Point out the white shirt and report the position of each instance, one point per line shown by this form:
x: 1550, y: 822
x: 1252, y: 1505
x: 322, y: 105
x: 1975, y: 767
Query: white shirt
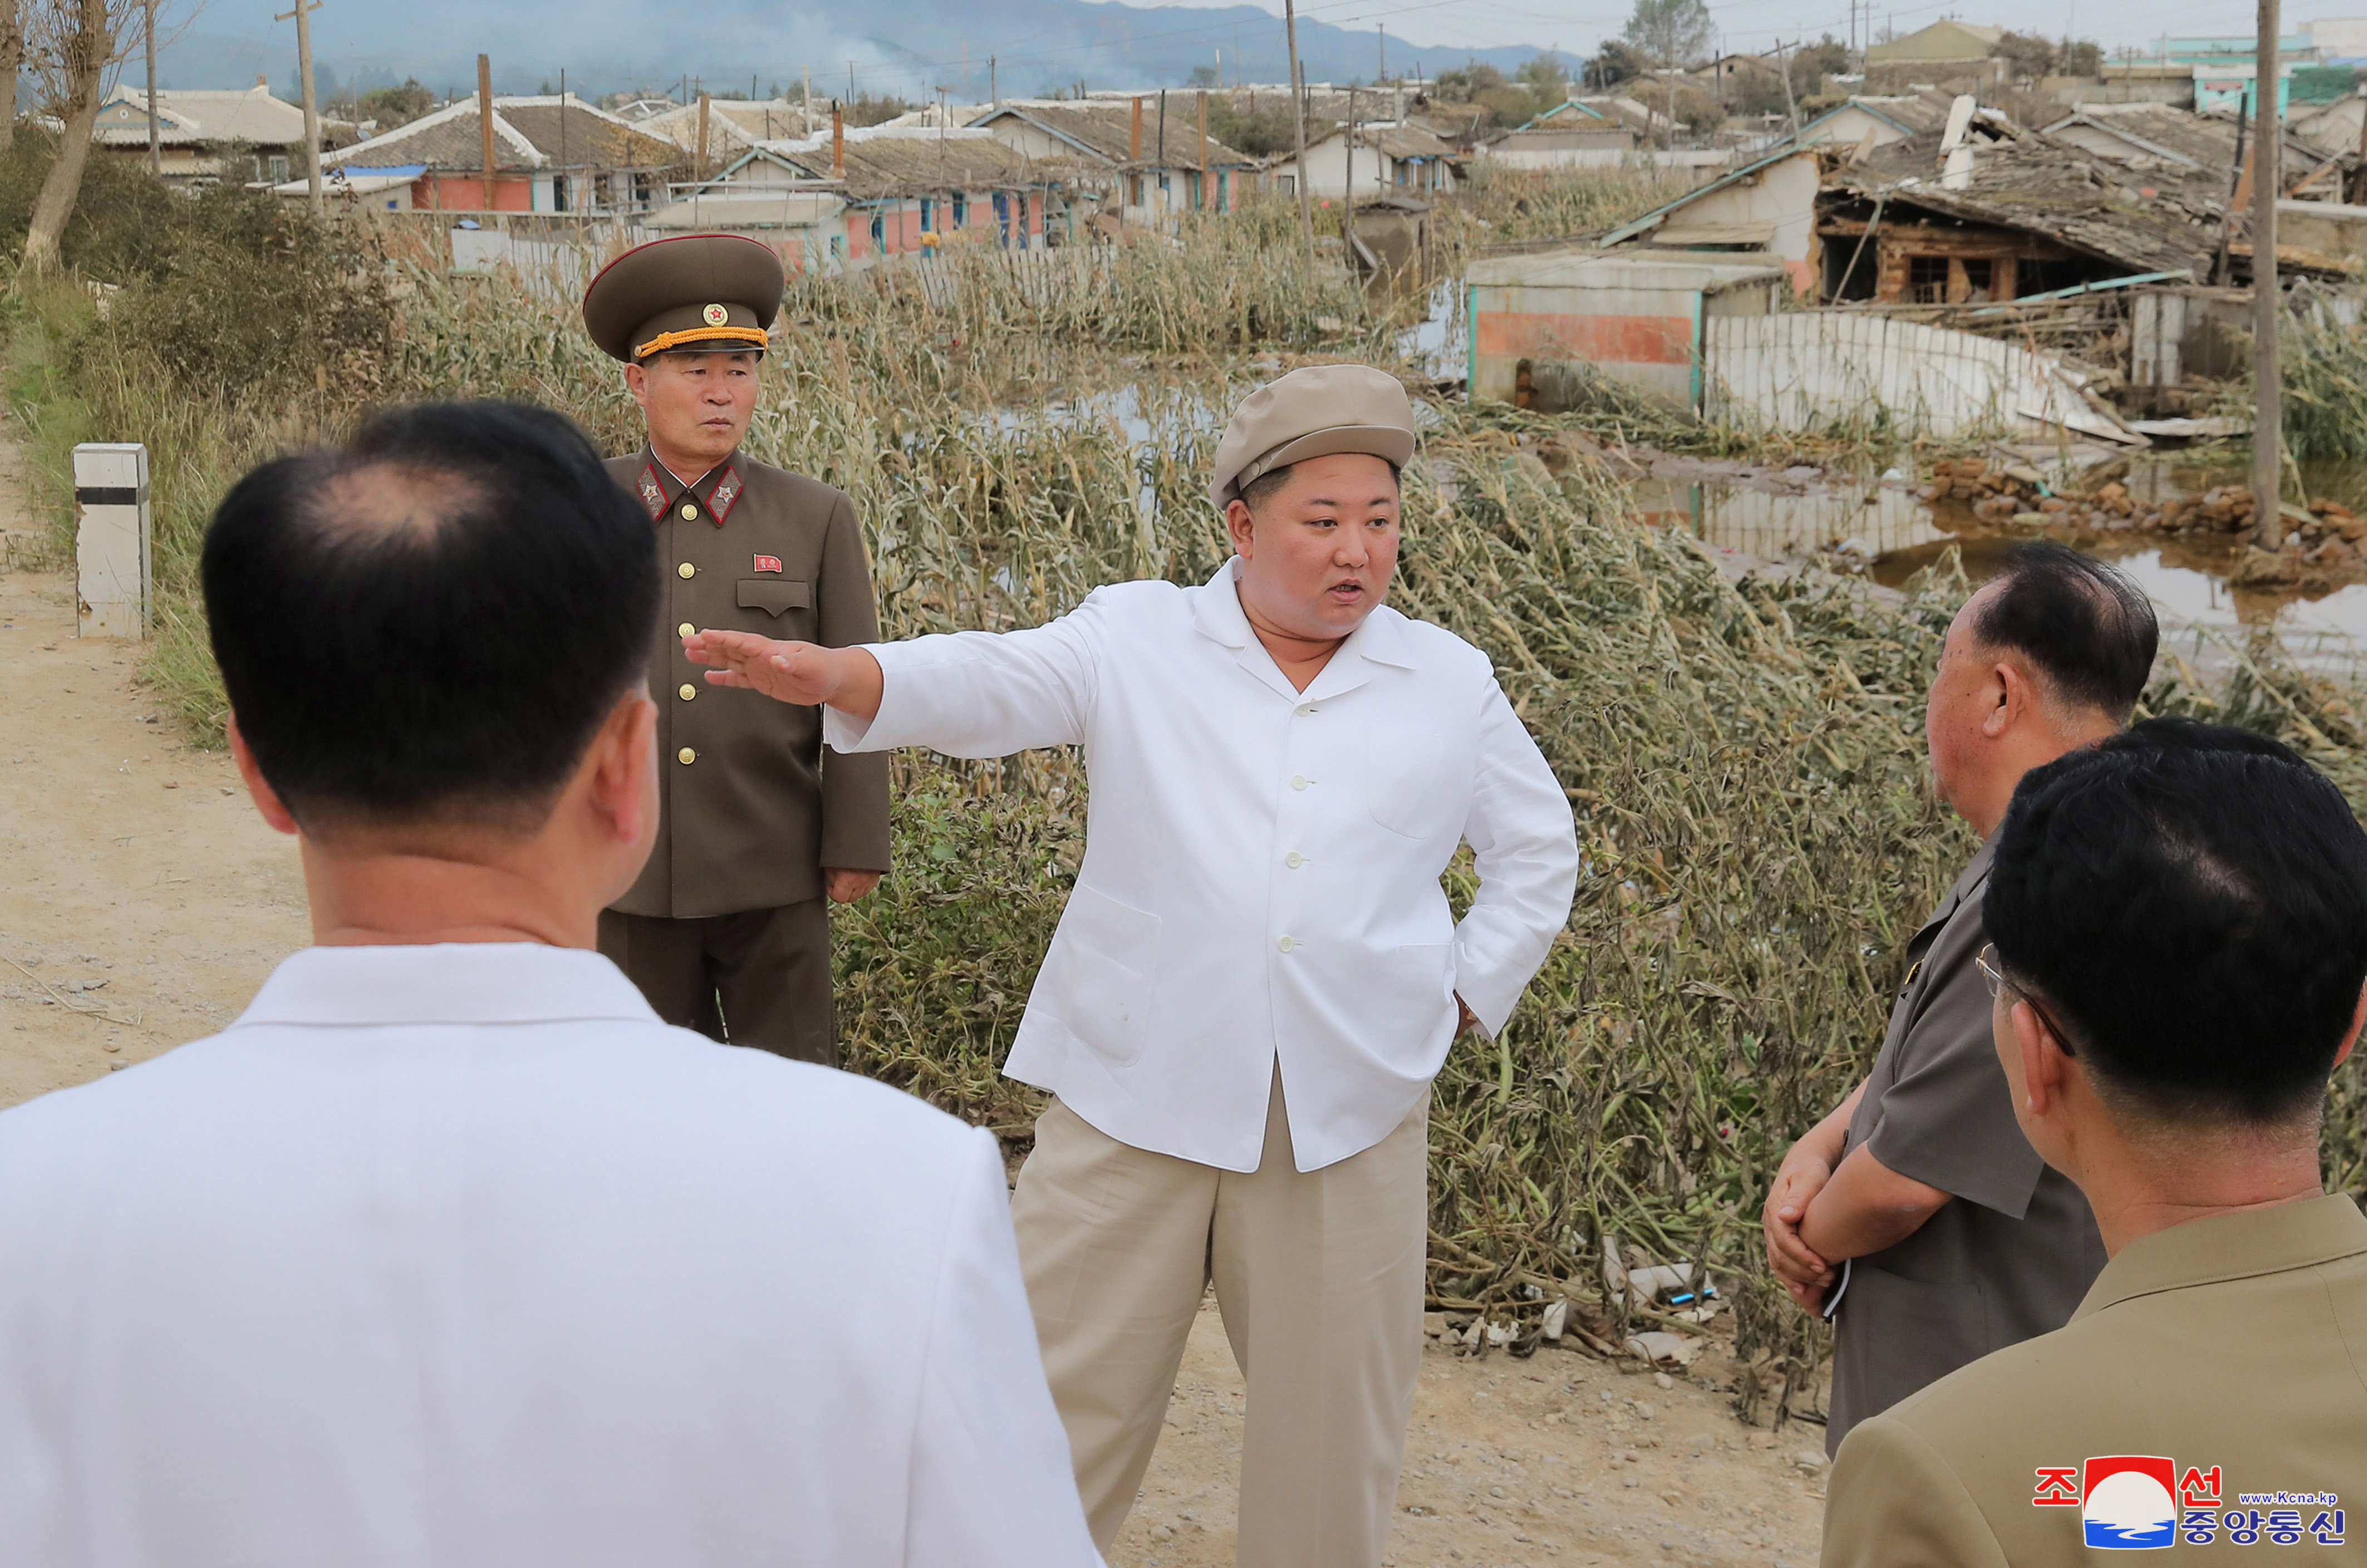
x: 456, y: 1257
x: 1260, y: 877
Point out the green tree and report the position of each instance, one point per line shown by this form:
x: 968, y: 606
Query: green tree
x: 1202, y: 75
x: 1614, y: 62
x: 392, y: 107
x: 1670, y: 32
x: 1547, y: 82
x: 2028, y: 55
x: 2084, y: 58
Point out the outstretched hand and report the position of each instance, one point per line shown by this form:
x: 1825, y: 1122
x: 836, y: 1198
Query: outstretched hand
x: 801, y: 672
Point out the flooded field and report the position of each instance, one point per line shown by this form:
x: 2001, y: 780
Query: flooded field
x: 1888, y: 522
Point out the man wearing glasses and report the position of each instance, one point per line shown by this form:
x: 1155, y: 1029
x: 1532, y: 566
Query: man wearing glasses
x: 1917, y: 1215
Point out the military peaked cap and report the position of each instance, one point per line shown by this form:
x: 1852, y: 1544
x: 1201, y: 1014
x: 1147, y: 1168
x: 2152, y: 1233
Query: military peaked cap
x: 691, y: 294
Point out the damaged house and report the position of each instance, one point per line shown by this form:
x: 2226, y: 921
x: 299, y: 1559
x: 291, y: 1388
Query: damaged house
x: 1969, y: 208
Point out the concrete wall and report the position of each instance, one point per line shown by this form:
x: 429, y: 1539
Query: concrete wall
x: 2322, y: 228
x: 1850, y: 125
x: 1641, y: 337
x: 1782, y: 194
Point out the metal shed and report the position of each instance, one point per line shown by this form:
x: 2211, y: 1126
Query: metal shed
x: 1638, y: 317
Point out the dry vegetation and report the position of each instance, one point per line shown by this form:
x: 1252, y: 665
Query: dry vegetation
x: 1745, y: 759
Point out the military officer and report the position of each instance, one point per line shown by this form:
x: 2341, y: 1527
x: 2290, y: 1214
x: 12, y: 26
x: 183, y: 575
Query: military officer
x: 727, y: 932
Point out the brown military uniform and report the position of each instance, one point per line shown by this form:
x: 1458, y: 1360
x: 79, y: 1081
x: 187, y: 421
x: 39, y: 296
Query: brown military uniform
x: 2223, y: 1360
x: 729, y: 908
x: 2010, y: 1254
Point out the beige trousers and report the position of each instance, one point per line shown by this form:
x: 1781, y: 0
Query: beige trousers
x: 1318, y: 1276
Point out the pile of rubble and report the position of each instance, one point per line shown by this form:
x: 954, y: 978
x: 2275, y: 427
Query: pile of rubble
x: 2324, y: 542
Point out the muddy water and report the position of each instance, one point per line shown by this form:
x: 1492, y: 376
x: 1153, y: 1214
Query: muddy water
x: 1889, y: 524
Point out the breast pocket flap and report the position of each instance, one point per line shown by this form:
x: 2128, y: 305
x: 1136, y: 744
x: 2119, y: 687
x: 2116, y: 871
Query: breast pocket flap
x: 775, y: 596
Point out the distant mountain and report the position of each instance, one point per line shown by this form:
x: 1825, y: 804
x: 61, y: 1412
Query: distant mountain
x: 912, y: 47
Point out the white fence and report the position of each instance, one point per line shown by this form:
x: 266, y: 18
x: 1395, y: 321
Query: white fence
x: 1801, y: 370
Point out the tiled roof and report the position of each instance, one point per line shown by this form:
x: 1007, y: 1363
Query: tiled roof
x: 1103, y: 132
x: 528, y: 133
x: 185, y: 118
x: 904, y: 161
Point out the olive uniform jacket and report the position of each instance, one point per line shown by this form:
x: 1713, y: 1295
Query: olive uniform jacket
x: 750, y: 806
x: 2210, y: 1391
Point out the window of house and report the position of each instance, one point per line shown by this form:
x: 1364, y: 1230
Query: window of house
x: 1927, y: 280
x: 961, y: 207
x: 641, y: 191
x: 928, y: 212
x: 878, y: 232
x: 1980, y: 274
x: 279, y: 167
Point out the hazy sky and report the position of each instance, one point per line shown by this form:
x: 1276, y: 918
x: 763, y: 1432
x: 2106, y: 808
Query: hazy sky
x: 776, y: 39
x: 1756, y: 24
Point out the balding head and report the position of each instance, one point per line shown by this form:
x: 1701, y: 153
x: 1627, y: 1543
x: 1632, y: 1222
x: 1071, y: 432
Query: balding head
x: 2086, y: 631
x: 428, y: 625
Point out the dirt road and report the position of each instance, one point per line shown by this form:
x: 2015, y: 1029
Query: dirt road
x: 144, y: 902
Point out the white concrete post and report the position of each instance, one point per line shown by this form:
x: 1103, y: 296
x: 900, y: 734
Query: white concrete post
x: 111, y: 538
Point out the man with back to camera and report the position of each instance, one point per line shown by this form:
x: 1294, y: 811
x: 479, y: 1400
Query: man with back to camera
x: 449, y: 1252
x: 1257, y: 976
x: 1916, y: 1214
x: 727, y: 929
x: 2179, y: 928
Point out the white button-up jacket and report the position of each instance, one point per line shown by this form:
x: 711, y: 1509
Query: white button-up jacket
x: 1261, y: 879
x: 454, y: 1256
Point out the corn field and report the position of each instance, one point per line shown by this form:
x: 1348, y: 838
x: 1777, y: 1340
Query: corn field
x: 1745, y: 759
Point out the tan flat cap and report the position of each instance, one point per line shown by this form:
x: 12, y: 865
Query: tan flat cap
x: 1312, y: 413
x: 689, y: 294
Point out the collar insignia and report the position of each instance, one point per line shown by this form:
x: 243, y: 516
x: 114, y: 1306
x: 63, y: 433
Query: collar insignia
x: 652, y: 493
x: 726, y: 492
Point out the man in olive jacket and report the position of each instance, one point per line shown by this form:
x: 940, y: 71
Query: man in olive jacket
x: 727, y: 932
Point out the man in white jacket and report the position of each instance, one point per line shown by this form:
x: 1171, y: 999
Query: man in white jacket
x: 1258, y: 975
x: 447, y: 1253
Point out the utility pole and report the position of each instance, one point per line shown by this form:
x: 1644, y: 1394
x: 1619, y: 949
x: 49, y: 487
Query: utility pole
x: 850, y: 83
x: 993, y: 83
x: 2268, y: 305
x: 485, y: 122
x: 155, y: 141
x: 1299, y: 124
x: 1207, y: 186
x: 804, y: 109
x: 702, y: 112
x: 304, y: 73
x: 1380, y: 52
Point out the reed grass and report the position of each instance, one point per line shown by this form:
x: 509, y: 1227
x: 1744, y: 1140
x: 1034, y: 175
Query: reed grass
x: 1744, y: 758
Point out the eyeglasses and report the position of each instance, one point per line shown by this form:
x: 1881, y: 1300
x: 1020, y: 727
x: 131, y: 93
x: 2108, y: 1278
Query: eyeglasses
x: 1998, y: 982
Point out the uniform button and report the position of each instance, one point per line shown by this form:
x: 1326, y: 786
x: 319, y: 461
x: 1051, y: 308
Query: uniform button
x: 1304, y: 709
x: 685, y: 756
x: 1298, y: 780
x: 686, y: 629
x: 686, y: 691
x: 1294, y: 859
x: 689, y: 512
x: 1286, y: 944
x: 685, y: 570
